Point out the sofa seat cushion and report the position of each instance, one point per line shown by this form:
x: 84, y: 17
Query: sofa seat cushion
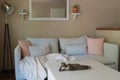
x: 100, y: 59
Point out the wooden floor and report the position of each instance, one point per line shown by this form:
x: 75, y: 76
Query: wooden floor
x: 7, y: 75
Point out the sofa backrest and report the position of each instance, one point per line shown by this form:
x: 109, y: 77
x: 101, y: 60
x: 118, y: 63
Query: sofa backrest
x: 111, y: 51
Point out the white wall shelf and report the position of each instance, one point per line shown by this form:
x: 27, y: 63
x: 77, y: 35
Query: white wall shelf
x: 23, y: 14
x: 75, y: 15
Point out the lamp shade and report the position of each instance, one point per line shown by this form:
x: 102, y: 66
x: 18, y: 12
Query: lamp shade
x: 7, y: 8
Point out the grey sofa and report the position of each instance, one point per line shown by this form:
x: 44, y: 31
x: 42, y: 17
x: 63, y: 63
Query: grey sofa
x: 111, y: 53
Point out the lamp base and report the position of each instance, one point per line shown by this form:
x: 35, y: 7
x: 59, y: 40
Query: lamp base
x: 7, y: 53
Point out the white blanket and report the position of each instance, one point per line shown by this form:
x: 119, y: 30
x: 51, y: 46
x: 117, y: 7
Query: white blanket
x: 34, y: 68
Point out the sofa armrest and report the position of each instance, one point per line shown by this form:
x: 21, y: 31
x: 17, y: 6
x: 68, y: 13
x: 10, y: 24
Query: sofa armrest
x: 111, y: 51
x: 17, y: 58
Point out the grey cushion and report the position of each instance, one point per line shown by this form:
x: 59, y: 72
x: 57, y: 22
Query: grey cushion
x: 53, y: 43
x: 64, y: 42
x: 76, y: 49
x: 39, y: 50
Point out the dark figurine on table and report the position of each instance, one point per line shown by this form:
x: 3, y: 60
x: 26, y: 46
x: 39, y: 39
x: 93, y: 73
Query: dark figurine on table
x: 73, y: 67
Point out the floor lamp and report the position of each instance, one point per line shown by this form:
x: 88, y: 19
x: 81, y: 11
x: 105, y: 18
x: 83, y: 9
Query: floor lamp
x: 7, y: 53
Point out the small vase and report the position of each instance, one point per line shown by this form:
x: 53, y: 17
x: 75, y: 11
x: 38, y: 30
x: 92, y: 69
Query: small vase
x: 75, y: 10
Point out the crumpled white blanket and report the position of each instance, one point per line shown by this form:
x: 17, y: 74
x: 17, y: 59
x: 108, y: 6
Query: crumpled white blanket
x: 55, y: 57
x: 34, y: 68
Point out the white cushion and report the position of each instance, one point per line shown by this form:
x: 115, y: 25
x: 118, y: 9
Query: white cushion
x: 53, y: 43
x: 76, y: 49
x: 39, y: 50
x: 64, y: 42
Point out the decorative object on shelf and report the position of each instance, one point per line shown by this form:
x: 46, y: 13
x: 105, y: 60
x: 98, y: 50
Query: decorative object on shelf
x: 23, y: 13
x: 75, y: 8
x: 7, y: 53
x: 75, y: 11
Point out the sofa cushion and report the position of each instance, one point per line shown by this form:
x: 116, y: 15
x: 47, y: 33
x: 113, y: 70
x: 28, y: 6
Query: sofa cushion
x: 76, y: 49
x: 64, y: 42
x: 24, y: 44
x: 95, y: 46
x: 101, y: 59
x: 39, y: 50
x: 53, y: 43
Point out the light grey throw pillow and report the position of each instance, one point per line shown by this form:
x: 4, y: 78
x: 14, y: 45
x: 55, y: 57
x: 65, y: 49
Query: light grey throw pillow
x: 64, y: 42
x: 36, y: 51
x: 53, y: 43
x: 76, y: 50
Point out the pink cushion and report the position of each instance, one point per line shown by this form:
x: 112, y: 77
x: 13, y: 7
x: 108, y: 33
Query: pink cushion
x: 95, y: 46
x: 24, y: 44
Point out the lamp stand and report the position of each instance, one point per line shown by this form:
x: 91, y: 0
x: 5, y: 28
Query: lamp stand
x: 7, y: 53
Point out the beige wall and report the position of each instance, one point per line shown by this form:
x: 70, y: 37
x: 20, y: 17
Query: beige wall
x: 112, y: 36
x: 94, y: 13
x: 117, y: 10
x: 1, y: 34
